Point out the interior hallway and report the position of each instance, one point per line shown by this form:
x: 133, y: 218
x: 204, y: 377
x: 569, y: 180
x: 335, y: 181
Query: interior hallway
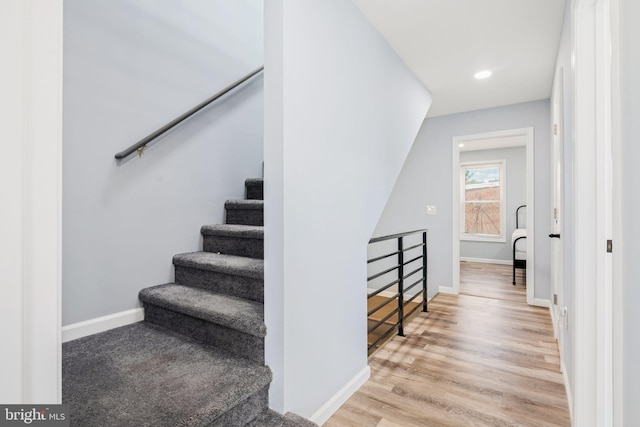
x: 481, y: 358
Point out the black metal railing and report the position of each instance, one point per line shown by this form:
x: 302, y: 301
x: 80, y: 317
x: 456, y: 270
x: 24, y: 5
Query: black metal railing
x: 142, y: 144
x: 406, y: 260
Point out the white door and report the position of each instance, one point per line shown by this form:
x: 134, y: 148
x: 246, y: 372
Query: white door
x: 557, y: 265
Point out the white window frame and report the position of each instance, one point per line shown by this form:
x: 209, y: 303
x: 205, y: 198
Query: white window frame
x: 502, y: 237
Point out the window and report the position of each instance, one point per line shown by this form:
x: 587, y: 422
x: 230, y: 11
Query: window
x: 482, y: 198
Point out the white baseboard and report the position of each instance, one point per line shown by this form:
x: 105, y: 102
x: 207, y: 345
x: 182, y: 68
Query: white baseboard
x: 101, y: 324
x: 567, y: 388
x: 552, y: 313
x: 538, y: 302
x: 338, y: 399
x: 447, y: 290
x: 487, y: 261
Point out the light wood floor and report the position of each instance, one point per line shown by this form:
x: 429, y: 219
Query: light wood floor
x: 481, y: 358
x: 492, y: 281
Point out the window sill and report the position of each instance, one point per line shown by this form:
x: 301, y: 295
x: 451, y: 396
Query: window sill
x: 480, y: 238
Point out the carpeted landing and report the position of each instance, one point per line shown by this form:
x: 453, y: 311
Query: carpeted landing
x: 198, y: 358
x: 145, y: 375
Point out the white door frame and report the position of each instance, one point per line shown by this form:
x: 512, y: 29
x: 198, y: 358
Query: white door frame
x: 557, y: 205
x: 30, y: 185
x: 617, y: 232
x: 455, y: 279
x: 593, y: 307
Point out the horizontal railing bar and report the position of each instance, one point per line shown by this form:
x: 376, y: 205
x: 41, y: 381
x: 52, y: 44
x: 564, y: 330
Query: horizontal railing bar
x: 391, y: 299
x: 414, y: 246
x: 417, y: 282
x: 384, y: 288
x: 412, y: 273
x: 413, y: 310
x: 412, y: 298
x: 383, y: 336
x: 395, y: 236
x: 382, y: 273
x: 382, y: 257
x: 414, y: 259
x: 144, y: 141
x: 387, y: 317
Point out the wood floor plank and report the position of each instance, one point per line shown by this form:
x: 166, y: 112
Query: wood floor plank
x: 480, y: 358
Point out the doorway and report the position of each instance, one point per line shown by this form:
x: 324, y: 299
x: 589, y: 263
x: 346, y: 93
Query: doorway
x: 489, y: 141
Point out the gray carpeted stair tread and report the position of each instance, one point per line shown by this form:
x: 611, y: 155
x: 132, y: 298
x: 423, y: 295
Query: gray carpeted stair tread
x: 244, y: 204
x: 234, y: 239
x: 233, y: 230
x: 296, y: 420
x: 144, y: 375
x: 221, y: 263
x: 270, y: 418
x: 232, y: 312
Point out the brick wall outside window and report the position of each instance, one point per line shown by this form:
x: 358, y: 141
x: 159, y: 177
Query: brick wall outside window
x: 482, y: 218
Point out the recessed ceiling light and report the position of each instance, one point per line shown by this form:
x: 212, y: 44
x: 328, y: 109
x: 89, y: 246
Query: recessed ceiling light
x: 482, y: 74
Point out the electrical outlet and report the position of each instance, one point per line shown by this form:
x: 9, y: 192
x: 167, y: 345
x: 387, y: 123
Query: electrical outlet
x: 432, y: 210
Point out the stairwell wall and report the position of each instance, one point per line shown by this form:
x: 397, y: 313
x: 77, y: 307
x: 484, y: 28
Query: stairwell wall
x: 129, y: 68
x: 342, y: 111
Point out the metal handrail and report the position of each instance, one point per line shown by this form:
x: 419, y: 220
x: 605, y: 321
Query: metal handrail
x: 142, y: 144
x: 399, y: 281
x: 395, y: 236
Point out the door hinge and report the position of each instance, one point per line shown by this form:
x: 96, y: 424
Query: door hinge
x: 609, y: 246
x: 555, y: 129
x: 555, y: 299
x: 555, y: 213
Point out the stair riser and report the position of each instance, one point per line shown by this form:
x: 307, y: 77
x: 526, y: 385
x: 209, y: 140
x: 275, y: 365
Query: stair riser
x: 228, y: 339
x: 237, y: 286
x: 245, y: 411
x: 255, y: 192
x: 252, y: 248
x: 245, y: 216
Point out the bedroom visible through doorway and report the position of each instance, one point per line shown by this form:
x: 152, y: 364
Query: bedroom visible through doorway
x: 493, y: 210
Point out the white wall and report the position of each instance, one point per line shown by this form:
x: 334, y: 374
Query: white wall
x: 129, y: 68
x: 516, y: 195
x: 630, y: 153
x: 342, y: 111
x: 426, y: 180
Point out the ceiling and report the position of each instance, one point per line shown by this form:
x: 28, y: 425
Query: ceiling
x: 445, y: 42
x: 493, y: 143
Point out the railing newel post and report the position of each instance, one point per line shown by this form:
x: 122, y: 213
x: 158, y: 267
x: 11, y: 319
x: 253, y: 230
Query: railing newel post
x: 400, y: 286
x: 424, y: 271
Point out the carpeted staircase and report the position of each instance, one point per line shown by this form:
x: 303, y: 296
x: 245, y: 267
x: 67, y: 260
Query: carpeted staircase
x: 198, y: 357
